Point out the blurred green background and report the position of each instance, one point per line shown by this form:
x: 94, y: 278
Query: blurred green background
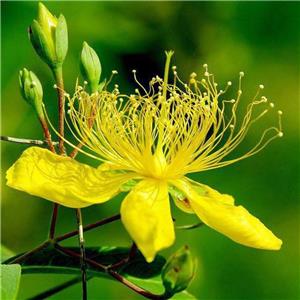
x: 259, y: 38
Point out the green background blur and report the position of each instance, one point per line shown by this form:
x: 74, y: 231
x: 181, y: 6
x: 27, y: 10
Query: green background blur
x: 259, y: 38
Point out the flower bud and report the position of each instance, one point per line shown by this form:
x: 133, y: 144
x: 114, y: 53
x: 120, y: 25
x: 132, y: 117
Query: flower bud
x: 49, y: 37
x: 31, y: 90
x: 90, y: 66
x: 178, y: 271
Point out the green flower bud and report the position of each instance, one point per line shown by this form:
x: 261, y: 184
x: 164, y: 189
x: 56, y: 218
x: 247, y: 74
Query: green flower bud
x: 178, y: 271
x: 49, y: 37
x: 90, y: 66
x: 31, y: 90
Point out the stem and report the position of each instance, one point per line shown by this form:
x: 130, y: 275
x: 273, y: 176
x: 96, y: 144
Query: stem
x: 81, y: 143
x: 53, y: 221
x: 58, y: 75
x: 25, y: 141
x: 75, y: 254
x: 47, y: 134
x: 191, y: 226
x: 82, y: 253
x: 132, y: 253
x: 88, y: 227
x: 58, y: 288
x: 114, y: 274
x: 19, y: 259
x: 63, y: 237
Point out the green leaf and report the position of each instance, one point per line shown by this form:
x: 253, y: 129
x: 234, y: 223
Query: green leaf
x: 51, y: 260
x: 10, y: 280
x: 6, y: 253
x: 155, y: 286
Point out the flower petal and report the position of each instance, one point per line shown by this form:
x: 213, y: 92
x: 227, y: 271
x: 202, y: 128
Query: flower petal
x: 146, y: 215
x: 63, y: 180
x: 219, y: 212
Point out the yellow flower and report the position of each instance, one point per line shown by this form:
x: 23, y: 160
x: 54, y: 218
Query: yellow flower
x: 153, y: 138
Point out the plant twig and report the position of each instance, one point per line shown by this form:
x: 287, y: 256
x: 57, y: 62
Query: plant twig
x: 53, y: 221
x: 117, y: 276
x: 190, y: 226
x: 58, y: 75
x: 58, y: 288
x: 82, y: 253
x: 20, y: 259
x: 47, y: 134
x: 64, y: 237
x: 132, y: 253
x: 88, y: 227
x: 25, y: 141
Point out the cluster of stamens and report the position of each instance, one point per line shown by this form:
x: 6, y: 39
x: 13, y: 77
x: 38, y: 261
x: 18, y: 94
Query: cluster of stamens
x: 172, y: 128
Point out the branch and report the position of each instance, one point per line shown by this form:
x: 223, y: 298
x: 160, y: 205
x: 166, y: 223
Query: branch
x: 114, y: 274
x: 190, y: 226
x: 82, y: 253
x: 58, y: 288
x: 25, y: 141
x: 88, y: 227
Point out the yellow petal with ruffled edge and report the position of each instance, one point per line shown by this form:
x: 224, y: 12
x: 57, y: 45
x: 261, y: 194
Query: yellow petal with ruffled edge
x: 63, y: 180
x: 219, y: 212
x: 145, y: 213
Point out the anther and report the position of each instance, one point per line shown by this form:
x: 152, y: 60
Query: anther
x: 175, y: 73
x: 261, y: 86
x: 85, y: 82
x: 229, y: 83
x: 280, y: 134
x: 280, y: 112
x: 264, y: 99
x: 205, y: 66
x: 54, y: 86
x: 174, y: 68
x: 116, y: 86
x: 133, y: 71
x: 240, y: 92
x: 272, y: 104
x: 231, y: 126
x: 232, y: 101
x: 193, y: 75
x: 206, y: 74
x: 136, y: 91
x: 242, y: 74
x: 114, y: 72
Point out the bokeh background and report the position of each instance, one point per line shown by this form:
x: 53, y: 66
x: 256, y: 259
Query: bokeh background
x: 259, y: 38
